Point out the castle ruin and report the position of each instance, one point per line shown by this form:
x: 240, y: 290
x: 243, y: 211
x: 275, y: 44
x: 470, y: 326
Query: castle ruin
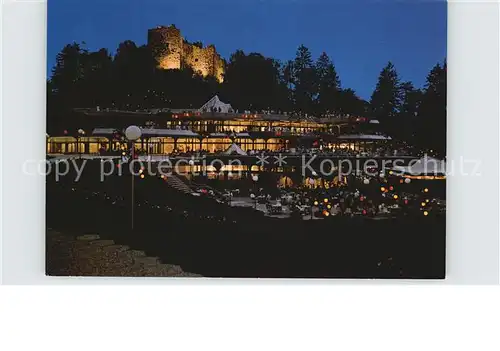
x: 171, y: 51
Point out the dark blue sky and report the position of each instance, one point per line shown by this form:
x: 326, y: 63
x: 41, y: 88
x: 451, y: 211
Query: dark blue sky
x: 359, y: 35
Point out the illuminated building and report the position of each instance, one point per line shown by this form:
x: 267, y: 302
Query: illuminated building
x: 212, y: 132
x: 172, y: 51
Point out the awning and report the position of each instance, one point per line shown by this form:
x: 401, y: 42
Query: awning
x: 218, y: 135
x: 184, y: 133
x: 151, y: 132
x: 363, y: 137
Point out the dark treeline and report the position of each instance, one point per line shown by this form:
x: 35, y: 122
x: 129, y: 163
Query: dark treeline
x: 129, y: 80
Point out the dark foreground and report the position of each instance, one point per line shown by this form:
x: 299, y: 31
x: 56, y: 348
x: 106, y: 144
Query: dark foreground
x: 213, y: 240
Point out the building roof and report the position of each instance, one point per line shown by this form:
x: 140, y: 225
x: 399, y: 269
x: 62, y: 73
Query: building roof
x: 189, y: 113
x: 149, y: 132
x: 170, y: 132
x: 364, y: 137
x: 234, y: 149
x: 215, y: 103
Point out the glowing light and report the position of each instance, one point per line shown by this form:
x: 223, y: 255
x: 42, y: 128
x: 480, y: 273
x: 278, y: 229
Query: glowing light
x: 316, y: 203
x: 390, y: 172
x: 124, y: 153
x: 382, y: 189
x: 142, y: 176
x: 325, y: 200
x: 427, y: 200
x: 140, y: 171
x: 396, y: 197
x: 361, y: 198
x: 162, y: 176
x: 426, y: 190
x: 426, y: 213
x: 364, y: 212
x: 329, y: 206
x: 401, y: 181
x: 423, y: 204
x: 391, y: 188
x: 326, y: 213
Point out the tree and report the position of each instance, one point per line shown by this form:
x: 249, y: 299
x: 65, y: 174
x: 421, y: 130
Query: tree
x: 328, y: 85
x: 97, y: 78
x: 405, y: 124
x: 386, y: 98
x: 68, y: 73
x: 431, y: 130
x: 304, y: 80
x: 351, y: 104
x: 410, y: 100
x: 253, y: 82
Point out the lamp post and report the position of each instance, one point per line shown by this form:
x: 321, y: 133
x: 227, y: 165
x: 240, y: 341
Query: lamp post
x: 191, y: 164
x: 255, y: 179
x: 311, y: 182
x: 81, y: 133
x: 132, y: 133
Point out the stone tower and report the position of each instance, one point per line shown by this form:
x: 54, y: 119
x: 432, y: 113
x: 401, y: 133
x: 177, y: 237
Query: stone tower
x: 166, y: 45
x: 171, y: 51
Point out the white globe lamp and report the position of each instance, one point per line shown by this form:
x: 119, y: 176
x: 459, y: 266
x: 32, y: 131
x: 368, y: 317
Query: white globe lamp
x: 133, y: 133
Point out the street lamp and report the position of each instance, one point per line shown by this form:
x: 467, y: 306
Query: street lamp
x: 81, y: 133
x: 132, y: 133
x: 255, y: 179
x: 191, y: 164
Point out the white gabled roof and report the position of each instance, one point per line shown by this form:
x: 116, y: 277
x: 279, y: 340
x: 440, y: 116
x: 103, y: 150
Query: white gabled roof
x: 234, y: 149
x: 217, y: 104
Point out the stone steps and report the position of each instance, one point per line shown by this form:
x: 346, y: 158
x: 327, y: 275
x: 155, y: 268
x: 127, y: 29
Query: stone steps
x: 89, y: 255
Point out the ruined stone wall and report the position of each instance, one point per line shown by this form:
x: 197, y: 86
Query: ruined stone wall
x: 166, y: 44
x: 219, y: 68
x: 172, y: 52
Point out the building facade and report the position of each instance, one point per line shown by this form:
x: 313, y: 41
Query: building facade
x: 212, y: 132
x: 172, y: 51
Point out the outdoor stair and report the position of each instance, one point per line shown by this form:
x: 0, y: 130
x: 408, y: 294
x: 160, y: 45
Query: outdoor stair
x: 178, y: 184
x: 89, y: 255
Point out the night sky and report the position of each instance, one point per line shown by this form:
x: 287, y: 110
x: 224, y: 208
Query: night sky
x: 359, y: 35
